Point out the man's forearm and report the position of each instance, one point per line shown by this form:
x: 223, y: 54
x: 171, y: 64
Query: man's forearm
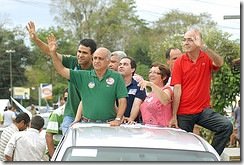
x: 8, y: 158
x: 42, y: 45
x: 50, y: 144
x: 121, y: 108
x: 176, y: 99
x: 64, y: 72
x: 135, y: 109
x: 216, y: 58
x: 79, y: 112
x: 52, y: 45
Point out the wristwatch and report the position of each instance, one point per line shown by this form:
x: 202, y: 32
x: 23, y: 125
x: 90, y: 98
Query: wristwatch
x: 117, y: 118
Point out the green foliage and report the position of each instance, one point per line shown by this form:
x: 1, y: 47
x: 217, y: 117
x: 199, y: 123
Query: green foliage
x: 142, y: 70
x: 12, y: 40
x: 225, y: 83
x: 41, y: 69
x: 168, y: 31
x: 114, y: 24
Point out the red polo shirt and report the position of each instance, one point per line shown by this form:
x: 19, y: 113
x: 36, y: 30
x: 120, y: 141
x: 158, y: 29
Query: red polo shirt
x: 195, y: 80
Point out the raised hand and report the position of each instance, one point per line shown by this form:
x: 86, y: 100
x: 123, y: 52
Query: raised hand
x: 198, y: 40
x: 31, y: 29
x: 52, y: 43
x: 143, y: 84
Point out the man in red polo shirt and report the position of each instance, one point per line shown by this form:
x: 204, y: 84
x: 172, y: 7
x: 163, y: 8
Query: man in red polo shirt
x: 191, y: 78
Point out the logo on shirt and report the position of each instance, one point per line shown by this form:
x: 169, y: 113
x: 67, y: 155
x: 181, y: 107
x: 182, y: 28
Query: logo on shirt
x: 91, y: 85
x: 110, y: 81
x: 132, y: 92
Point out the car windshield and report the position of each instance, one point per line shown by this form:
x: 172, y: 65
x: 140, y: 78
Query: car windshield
x: 134, y: 154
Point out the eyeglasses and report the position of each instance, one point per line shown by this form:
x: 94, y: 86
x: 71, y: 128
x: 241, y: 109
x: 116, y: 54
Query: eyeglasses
x: 154, y: 72
x: 189, y: 40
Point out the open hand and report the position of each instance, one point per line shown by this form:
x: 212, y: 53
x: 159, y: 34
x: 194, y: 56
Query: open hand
x: 31, y: 29
x: 52, y: 43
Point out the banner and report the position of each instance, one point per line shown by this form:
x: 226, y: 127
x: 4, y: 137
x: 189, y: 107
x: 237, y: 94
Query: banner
x: 21, y: 93
x: 21, y: 107
x: 46, y: 91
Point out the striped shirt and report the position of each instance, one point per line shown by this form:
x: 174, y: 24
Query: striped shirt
x: 5, y: 137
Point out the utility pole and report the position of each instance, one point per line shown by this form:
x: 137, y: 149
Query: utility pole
x: 10, y: 51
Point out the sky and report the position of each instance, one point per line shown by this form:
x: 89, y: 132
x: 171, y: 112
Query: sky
x: 19, y: 12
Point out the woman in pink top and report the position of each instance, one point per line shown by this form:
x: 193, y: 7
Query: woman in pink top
x: 156, y: 108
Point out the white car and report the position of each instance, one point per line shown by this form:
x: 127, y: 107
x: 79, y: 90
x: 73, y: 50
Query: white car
x: 101, y: 142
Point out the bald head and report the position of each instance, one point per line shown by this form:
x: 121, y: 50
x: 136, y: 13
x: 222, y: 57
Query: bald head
x: 101, y: 58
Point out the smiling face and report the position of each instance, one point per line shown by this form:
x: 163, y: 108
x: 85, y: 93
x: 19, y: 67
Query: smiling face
x: 84, y: 55
x: 188, y: 43
x: 155, y: 76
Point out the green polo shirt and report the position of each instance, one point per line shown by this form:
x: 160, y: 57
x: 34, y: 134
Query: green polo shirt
x: 74, y: 97
x: 54, y: 124
x: 98, y: 96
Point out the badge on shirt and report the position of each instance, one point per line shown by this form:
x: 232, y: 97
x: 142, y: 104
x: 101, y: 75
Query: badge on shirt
x: 91, y: 85
x: 110, y: 81
x: 132, y: 92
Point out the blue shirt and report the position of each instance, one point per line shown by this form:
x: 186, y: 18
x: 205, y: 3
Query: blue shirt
x: 133, y: 92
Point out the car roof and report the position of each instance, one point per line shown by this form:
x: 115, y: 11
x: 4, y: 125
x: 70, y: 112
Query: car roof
x: 146, y: 136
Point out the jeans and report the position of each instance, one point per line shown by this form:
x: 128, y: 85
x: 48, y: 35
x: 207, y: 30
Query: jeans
x: 211, y: 120
x: 66, y: 123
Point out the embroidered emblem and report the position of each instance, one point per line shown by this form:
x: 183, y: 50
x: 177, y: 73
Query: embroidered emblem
x: 110, y: 81
x: 91, y: 85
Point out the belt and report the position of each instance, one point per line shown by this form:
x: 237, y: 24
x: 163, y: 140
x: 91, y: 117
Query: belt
x: 86, y: 120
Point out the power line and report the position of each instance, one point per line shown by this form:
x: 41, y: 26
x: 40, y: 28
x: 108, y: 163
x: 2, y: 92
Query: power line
x: 214, y: 3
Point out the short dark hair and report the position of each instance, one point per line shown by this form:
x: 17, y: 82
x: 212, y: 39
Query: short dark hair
x: 132, y: 63
x: 22, y: 116
x: 37, y: 122
x: 89, y: 43
x: 167, y: 54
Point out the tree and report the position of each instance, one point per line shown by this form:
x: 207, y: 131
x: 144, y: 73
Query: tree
x: 14, y: 40
x: 226, y: 82
x: 41, y: 69
x: 168, y: 31
x: 109, y: 22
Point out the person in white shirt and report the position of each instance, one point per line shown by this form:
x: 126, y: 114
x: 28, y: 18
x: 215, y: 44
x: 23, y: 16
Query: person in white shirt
x: 21, y: 122
x: 8, y: 116
x: 27, y: 145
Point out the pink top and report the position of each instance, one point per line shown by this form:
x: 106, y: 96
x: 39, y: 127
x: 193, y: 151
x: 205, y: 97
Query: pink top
x: 154, y: 112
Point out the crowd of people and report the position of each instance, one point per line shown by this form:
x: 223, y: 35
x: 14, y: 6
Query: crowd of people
x: 176, y: 94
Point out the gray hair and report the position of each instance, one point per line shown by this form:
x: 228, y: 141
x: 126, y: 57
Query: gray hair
x: 119, y: 53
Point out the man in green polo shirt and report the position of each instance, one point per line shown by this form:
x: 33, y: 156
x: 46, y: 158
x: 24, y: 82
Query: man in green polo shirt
x: 99, y: 87
x: 82, y: 61
x: 53, y: 131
